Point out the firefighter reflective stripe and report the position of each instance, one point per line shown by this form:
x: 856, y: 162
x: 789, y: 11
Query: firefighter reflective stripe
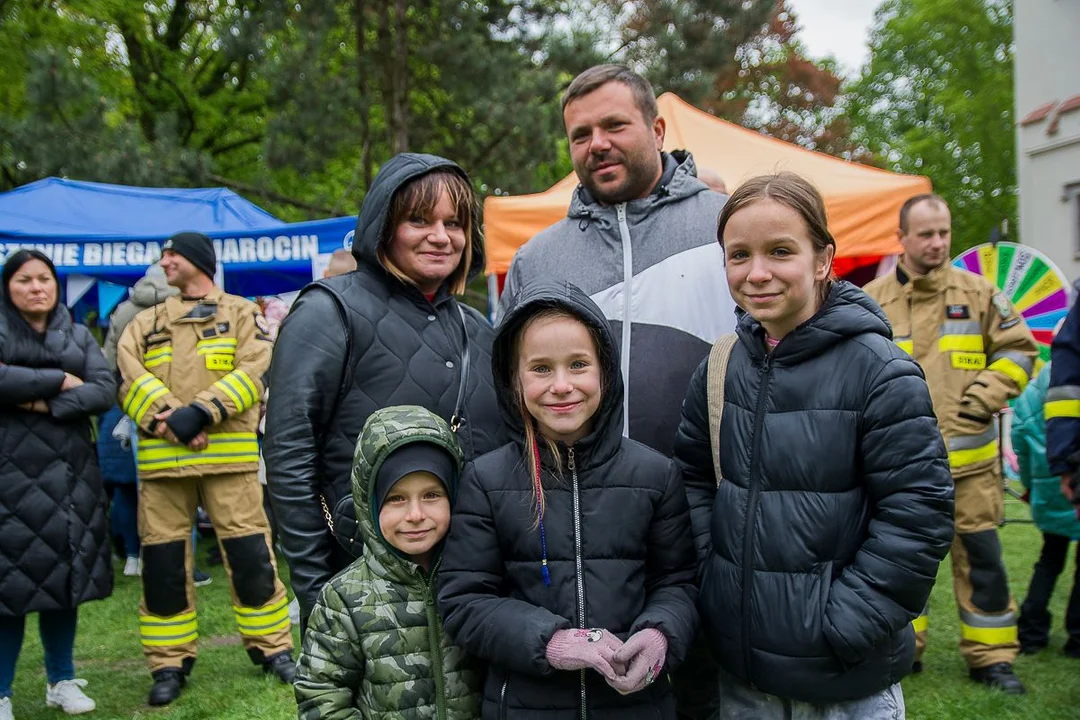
x: 157, y: 631
x: 222, y: 449
x: 216, y: 346
x: 1062, y: 401
x: 264, y: 620
x: 906, y: 344
x: 142, y: 395
x: 157, y: 356
x: 968, y: 449
x: 988, y: 629
x: 961, y: 336
x: 921, y: 623
x: 1017, y: 366
x: 239, y: 388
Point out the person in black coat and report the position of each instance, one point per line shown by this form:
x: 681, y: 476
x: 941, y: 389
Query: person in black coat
x: 389, y: 333
x: 54, y: 544
x: 821, y: 541
x: 569, y: 566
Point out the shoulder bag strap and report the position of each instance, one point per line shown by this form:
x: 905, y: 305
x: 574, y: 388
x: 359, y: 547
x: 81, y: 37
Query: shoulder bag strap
x: 717, y: 372
x: 458, y: 418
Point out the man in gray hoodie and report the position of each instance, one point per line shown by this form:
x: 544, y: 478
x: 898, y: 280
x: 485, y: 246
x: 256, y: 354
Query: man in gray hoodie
x: 149, y: 290
x: 640, y: 239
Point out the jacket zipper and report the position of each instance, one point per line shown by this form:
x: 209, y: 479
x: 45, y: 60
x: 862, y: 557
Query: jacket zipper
x: 436, y: 645
x: 751, y: 513
x: 572, y: 465
x: 628, y: 281
x: 502, y: 696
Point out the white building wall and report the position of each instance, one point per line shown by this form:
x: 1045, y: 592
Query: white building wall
x: 1047, y: 77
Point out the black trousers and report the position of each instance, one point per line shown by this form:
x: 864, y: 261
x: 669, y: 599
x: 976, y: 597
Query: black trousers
x: 1035, y: 617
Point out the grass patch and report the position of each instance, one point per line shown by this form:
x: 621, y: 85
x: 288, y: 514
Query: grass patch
x: 226, y: 686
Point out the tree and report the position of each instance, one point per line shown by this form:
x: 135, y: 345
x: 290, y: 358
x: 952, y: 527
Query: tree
x: 936, y: 98
x: 773, y: 87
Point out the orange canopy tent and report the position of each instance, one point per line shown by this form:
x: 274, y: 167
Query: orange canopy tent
x: 862, y: 202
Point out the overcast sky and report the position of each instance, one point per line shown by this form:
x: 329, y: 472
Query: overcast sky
x: 836, y: 27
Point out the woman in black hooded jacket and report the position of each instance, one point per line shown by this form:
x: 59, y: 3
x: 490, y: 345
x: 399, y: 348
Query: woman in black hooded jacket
x: 569, y: 566
x: 54, y: 544
x: 821, y: 542
x: 389, y: 333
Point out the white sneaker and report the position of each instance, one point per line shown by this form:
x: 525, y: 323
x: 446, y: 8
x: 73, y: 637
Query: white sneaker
x: 133, y: 567
x: 69, y: 697
x: 5, y: 709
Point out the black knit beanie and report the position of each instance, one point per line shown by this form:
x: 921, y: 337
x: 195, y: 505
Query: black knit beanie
x: 197, y: 248
x: 414, y: 457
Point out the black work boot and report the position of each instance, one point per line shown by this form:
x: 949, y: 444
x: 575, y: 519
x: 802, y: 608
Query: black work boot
x: 167, y: 686
x: 281, y: 665
x: 999, y: 676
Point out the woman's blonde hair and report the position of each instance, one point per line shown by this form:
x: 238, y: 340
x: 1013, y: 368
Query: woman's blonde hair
x: 795, y: 192
x: 419, y: 197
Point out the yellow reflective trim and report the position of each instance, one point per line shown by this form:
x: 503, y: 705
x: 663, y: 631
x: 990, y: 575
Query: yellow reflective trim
x: 1061, y: 409
x: 222, y: 449
x: 217, y: 341
x: 144, y: 392
x: 921, y: 623
x: 989, y: 636
x: 247, y: 398
x: 136, y: 390
x: 907, y: 346
x: 277, y: 626
x: 148, y: 364
x: 217, y: 350
x: 246, y: 381
x: 220, y: 362
x: 259, y: 623
x: 1010, y: 369
x: 156, y: 352
x: 169, y: 642
x: 968, y: 360
x: 171, y: 620
x: 261, y: 611
x: 960, y: 343
x: 230, y: 393
x: 958, y: 458
x: 168, y: 631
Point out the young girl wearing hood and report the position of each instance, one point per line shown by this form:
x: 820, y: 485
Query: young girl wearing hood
x: 374, y: 645
x: 821, y: 542
x: 569, y: 567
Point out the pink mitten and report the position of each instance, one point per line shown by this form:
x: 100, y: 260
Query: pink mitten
x: 577, y: 649
x: 643, y: 656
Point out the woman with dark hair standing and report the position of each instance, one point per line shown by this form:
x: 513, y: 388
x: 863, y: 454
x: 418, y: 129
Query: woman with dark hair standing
x: 389, y: 333
x: 820, y: 541
x: 54, y: 544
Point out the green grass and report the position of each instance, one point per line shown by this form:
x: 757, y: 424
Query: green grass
x: 226, y: 686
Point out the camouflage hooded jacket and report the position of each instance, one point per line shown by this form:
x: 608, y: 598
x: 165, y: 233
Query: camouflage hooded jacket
x: 374, y: 646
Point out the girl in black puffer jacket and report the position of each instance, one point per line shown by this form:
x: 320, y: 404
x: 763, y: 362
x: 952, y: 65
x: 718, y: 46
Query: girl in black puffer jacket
x: 822, y: 541
x: 569, y: 566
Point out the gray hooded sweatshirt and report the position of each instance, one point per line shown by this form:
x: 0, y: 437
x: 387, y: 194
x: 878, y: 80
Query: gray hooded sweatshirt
x: 653, y: 261
x: 149, y: 290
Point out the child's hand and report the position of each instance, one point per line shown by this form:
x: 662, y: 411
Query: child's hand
x: 577, y: 649
x: 643, y: 657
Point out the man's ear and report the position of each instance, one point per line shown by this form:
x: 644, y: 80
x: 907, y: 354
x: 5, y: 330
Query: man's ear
x: 659, y: 130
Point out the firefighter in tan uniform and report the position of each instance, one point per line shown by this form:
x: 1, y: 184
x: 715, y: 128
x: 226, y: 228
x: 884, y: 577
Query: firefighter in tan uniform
x: 192, y: 379
x: 977, y: 353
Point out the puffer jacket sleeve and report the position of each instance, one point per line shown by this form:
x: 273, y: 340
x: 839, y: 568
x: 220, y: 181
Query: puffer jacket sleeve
x: 1062, y: 408
x: 501, y: 630
x: 693, y: 456
x: 96, y: 394
x: 670, y: 603
x: 331, y: 661
x: 305, y: 378
x: 19, y: 384
x: 910, y: 490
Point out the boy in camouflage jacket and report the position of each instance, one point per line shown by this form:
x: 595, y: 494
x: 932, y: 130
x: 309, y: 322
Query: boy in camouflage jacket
x: 374, y: 646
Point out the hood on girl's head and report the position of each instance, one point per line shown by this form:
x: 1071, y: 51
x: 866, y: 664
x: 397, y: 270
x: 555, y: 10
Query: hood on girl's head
x: 530, y: 300
x: 386, y: 433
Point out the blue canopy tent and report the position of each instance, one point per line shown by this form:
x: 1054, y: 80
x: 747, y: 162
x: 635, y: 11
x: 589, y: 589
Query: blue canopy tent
x: 103, y: 237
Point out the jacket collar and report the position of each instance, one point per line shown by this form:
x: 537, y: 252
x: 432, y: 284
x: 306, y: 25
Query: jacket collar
x: 933, y: 281
x: 679, y: 180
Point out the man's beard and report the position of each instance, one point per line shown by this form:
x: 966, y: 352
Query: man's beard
x: 638, y: 181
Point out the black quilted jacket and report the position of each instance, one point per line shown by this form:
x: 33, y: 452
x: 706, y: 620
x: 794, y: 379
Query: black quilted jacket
x: 54, y: 545
x: 634, y: 547
x: 823, y: 539
x: 351, y: 345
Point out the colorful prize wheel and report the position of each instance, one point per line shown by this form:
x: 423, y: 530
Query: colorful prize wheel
x: 1035, y: 285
